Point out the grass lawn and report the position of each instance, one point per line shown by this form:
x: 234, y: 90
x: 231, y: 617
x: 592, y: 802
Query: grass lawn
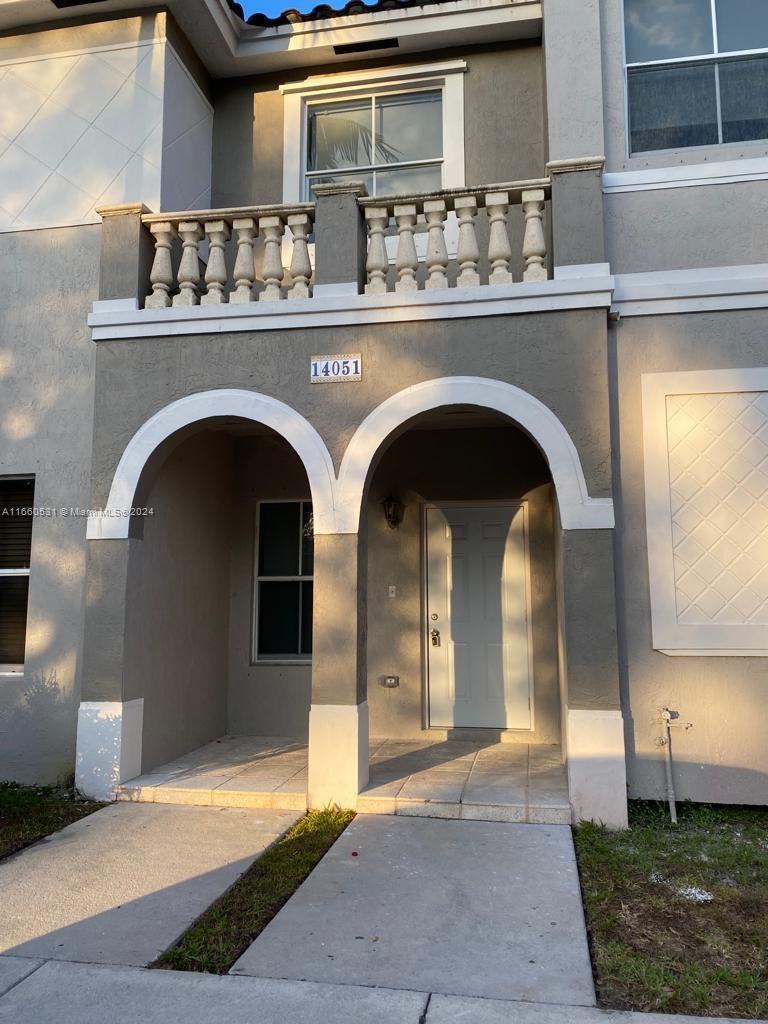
x: 27, y: 813
x: 678, y: 916
x: 226, y: 929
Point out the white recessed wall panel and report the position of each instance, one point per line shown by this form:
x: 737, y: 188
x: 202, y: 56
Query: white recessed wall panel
x: 187, y: 140
x: 80, y: 131
x: 706, y: 478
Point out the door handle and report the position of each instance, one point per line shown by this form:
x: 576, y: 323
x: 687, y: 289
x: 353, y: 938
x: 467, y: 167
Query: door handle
x: 435, y: 637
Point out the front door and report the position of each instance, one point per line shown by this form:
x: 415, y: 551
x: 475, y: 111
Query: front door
x: 477, y: 617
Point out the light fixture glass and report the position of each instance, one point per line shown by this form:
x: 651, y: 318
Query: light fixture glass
x: 394, y: 510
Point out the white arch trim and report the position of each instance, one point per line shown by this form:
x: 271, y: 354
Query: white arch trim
x: 577, y: 510
x: 114, y: 524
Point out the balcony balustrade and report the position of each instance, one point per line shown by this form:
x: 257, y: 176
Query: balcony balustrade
x: 268, y: 254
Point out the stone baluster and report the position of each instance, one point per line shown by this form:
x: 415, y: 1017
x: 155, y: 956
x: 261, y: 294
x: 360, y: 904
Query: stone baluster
x: 407, y: 261
x: 161, y: 276
x: 244, y: 273
x: 377, y: 262
x: 534, y: 246
x: 218, y: 233
x: 437, y: 254
x: 272, y: 267
x: 190, y: 233
x: 499, y: 249
x: 301, y: 268
x: 468, y: 254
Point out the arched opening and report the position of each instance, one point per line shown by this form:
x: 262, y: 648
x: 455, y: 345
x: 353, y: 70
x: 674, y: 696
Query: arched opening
x: 218, y: 621
x: 464, y: 690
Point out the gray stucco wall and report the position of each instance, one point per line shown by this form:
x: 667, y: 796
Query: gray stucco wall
x: 177, y: 608
x: 723, y: 757
x: 504, y: 141
x: 560, y: 358
x: 46, y: 400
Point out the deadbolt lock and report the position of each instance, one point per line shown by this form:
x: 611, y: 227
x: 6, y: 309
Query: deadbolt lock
x: 435, y: 636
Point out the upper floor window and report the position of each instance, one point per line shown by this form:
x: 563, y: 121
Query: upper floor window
x: 392, y: 143
x: 697, y: 72
x: 399, y: 130
x: 16, y: 500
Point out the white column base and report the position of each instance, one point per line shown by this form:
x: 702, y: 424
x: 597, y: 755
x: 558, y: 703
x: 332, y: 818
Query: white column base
x: 108, y: 746
x: 597, y: 768
x: 338, y: 754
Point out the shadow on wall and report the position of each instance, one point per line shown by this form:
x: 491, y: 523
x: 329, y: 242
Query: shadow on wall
x: 42, y: 710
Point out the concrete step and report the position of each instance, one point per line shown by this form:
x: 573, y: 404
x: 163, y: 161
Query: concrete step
x: 276, y: 801
x: 535, y: 814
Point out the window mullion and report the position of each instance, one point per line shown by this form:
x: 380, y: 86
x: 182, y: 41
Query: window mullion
x: 718, y: 104
x: 715, y: 41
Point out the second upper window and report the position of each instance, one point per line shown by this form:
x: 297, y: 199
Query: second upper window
x: 392, y: 142
x: 696, y: 75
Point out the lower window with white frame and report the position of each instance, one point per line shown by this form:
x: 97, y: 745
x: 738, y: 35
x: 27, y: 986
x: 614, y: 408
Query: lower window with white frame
x: 17, y: 495
x: 282, y: 629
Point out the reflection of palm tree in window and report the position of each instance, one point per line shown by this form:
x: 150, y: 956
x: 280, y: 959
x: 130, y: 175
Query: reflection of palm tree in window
x: 345, y: 142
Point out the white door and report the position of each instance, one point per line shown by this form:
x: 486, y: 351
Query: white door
x: 477, y: 617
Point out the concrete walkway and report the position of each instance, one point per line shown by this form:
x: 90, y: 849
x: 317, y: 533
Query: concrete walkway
x: 121, y: 885
x: 457, y: 907
x: 62, y: 993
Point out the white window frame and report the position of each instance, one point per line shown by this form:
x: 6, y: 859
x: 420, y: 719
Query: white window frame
x: 695, y: 59
x: 256, y: 660
x: 447, y: 76
x: 670, y: 636
x: 12, y: 669
x: 297, y: 96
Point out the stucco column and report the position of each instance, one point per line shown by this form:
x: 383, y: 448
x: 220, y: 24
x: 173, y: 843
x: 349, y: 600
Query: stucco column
x: 127, y: 251
x: 593, y: 726
x: 109, y: 728
x: 338, y: 717
x: 576, y: 213
x: 340, y: 239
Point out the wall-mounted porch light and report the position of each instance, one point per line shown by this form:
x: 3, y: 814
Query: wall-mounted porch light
x: 394, y: 510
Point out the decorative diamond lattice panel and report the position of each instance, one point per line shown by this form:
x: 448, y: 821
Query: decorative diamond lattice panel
x: 718, y: 472
x: 77, y: 132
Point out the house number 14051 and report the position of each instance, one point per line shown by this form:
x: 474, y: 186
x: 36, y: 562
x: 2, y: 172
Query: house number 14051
x: 324, y: 369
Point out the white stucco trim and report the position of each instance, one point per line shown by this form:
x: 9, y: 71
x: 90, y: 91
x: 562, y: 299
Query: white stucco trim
x: 120, y: 319
x: 338, y: 754
x: 596, y: 766
x: 108, y: 746
x: 114, y: 522
x: 577, y: 510
x: 721, y: 172
x: 669, y: 635
x: 698, y: 290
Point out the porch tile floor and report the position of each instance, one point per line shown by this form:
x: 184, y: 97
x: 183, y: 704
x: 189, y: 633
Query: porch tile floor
x: 513, y: 782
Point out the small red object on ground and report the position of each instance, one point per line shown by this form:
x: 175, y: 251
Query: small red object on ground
x: 354, y: 853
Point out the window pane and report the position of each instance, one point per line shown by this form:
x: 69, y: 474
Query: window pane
x: 409, y: 127
x: 744, y: 99
x: 660, y: 29
x: 279, y: 538
x: 306, y: 618
x: 671, y: 108
x: 367, y: 180
x: 14, y: 591
x: 278, y: 634
x: 741, y: 25
x: 15, y: 529
x: 407, y: 180
x: 340, y: 135
x: 307, y: 539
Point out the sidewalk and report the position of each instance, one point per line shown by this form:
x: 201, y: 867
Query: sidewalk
x: 65, y: 993
x: 121, y: 885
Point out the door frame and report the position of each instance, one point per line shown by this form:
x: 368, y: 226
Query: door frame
x: 520, y: 503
